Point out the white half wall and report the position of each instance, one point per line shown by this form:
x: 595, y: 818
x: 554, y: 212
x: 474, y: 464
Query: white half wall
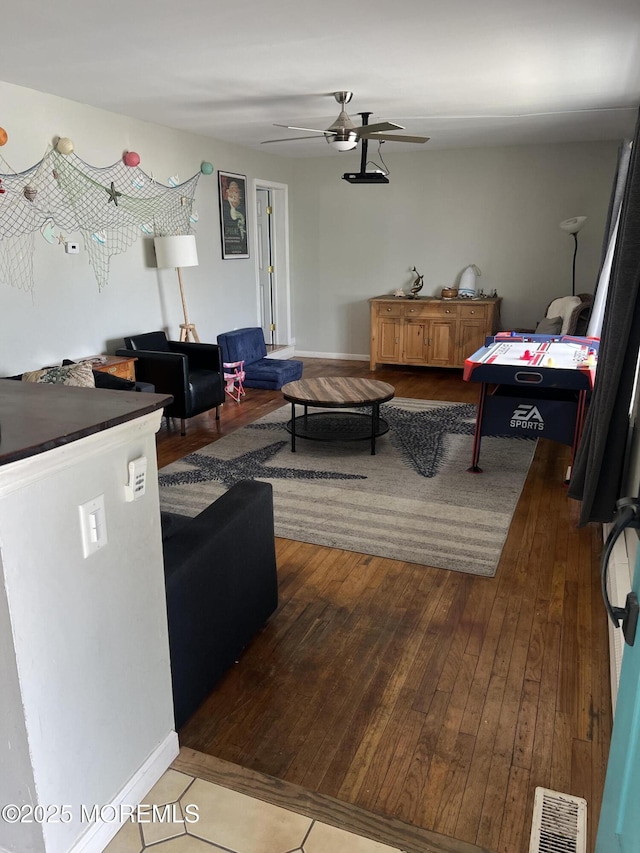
x: 16, y: 779
x: 85, y: 643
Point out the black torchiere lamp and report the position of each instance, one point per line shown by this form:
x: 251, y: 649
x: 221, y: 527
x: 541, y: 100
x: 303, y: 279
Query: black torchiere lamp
x: 572, y: 226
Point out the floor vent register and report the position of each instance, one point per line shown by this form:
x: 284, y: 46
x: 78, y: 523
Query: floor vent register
x: 559, y: 823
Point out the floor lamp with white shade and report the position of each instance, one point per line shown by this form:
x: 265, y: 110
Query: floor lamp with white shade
x: 179, y: 251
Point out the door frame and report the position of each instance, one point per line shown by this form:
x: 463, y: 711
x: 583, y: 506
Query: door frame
x: 280, y: 257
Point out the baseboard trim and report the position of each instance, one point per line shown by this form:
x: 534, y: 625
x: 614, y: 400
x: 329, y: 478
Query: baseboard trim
x: 99, y: 834
x: 342, y: 356
x: 321, y: 807
x: 282, y: 352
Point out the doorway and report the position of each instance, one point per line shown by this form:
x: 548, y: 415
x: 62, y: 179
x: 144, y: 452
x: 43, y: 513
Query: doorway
x: 272, y: 267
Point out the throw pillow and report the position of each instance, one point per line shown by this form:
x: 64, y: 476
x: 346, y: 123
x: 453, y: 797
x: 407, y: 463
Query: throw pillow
x: 79, y: 375
x: 564, y: 307
x: 549, y: 326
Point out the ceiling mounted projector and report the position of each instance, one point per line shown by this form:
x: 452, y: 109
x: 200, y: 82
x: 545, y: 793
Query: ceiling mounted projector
x: 365, y: 177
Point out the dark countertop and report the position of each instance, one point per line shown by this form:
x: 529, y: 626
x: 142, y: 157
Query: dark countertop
x: 35, y: 417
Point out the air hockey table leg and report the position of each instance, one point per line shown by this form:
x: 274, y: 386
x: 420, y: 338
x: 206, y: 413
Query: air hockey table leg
x: 477, y: 435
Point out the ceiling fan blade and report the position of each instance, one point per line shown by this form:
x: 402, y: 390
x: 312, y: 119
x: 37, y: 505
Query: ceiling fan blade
x: 396, y: 137
x: 366, y: 129
x: 292, y: 139
x: 309, y: 129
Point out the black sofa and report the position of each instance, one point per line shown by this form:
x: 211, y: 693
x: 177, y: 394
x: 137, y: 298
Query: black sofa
x: 221, y: 587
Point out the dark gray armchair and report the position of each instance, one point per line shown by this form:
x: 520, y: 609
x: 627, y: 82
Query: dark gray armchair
x: 190, y: 372
x: 221, y: 585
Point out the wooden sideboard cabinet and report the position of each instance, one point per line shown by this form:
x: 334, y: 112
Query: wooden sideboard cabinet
x: 428, y: 331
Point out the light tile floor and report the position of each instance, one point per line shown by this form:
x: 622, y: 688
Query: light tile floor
x: 192, y: 815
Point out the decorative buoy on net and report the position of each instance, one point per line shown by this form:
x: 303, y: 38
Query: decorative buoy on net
x: 64, y: 146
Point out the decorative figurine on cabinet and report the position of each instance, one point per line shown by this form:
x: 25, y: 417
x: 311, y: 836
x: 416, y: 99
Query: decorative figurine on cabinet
x: 416, y: 287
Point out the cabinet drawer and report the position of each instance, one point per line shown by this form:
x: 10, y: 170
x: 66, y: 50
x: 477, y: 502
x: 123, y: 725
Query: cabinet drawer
x: 476, y: 312
x: 124, y: 371
x: 387, y: 310
x: 433, y: 310
x: 124, y: 368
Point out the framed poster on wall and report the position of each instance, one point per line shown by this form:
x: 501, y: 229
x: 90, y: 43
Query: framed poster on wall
x: 232, y: 193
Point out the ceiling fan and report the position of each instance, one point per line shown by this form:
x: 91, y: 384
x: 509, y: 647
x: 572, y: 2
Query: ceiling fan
x: 343, y: 134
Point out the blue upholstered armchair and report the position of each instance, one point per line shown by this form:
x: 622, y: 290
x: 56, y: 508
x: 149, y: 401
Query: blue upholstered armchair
x: 260, y: 372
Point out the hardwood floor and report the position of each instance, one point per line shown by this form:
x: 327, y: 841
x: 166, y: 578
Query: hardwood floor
x: 436, y: 698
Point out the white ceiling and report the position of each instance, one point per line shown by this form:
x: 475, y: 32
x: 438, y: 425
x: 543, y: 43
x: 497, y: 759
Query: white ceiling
x: 463, y: 72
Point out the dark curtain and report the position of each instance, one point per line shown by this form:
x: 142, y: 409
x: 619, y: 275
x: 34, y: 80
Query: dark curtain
x: 619, y: 184
x: 598, y: 467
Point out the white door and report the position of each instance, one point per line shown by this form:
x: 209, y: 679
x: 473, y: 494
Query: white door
x: 273, y: 279
x: 265, y: 264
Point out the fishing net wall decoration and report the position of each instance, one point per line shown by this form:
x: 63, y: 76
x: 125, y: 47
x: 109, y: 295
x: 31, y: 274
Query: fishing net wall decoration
x: 110, y: 206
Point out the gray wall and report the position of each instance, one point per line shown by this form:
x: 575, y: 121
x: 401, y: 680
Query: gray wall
x: 498, y: 208
x: 68, y: 316
x: 444, y: 209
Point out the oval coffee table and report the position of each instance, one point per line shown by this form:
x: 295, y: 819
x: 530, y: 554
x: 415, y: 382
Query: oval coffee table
x: 336, y: 392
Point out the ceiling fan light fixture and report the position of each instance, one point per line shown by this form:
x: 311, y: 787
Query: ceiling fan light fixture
x: 343, y: 140
x: 344, y: 135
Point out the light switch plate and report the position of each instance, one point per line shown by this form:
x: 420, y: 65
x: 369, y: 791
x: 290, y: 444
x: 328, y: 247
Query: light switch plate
x: 93, y: 525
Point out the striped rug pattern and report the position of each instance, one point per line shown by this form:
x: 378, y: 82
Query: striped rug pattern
x: 413, y: 501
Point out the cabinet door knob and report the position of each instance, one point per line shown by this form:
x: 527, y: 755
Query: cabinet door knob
x: 472, y: 311
x: 388, y: 309
x: 447, y: 311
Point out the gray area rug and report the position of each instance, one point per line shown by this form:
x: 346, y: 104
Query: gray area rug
x: 413, y: 501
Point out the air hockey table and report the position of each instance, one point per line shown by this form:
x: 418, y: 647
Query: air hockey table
x: 532, y: 385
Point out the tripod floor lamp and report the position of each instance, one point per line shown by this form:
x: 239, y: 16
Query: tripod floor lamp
x: 179, y: 251
x: 572, y: 226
